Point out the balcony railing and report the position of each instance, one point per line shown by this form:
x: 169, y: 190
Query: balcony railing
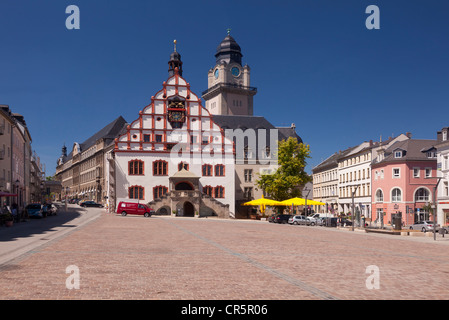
x: 230, y: 85
x: 185, y: 193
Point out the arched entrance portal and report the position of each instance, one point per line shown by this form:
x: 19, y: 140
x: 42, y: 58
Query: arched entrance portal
x: 189, y: 210
x: 184, y: 186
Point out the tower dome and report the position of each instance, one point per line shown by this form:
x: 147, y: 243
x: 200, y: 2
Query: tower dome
x: 229, y: 51
x: 175, y: 62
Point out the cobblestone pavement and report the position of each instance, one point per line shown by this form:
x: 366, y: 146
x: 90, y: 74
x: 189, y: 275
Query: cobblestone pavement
x: 163, y: 258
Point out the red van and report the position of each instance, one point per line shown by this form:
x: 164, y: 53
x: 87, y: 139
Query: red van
x: 125, y: 208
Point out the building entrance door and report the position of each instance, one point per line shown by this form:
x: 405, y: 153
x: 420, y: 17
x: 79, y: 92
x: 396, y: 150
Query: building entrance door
x: 189, y: 210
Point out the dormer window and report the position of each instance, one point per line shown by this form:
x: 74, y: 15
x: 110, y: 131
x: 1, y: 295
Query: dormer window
x: 398, y: 154
x: 431, y: 154
x: 444, y: 135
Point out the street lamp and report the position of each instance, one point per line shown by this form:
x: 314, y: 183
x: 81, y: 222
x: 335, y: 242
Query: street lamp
x: 66, y: 192
x: 42, y: 192
x: 353, y: 211
x: 435, y: 206
x: 16, y: 184
x: 305, y: 205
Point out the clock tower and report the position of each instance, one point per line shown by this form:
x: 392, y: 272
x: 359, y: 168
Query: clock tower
x: 229, y: 91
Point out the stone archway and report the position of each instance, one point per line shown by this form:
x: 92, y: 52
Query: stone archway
x: 184, y: 185
x: 188, y: 209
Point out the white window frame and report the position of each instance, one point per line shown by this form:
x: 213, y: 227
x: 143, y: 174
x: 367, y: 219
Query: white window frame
x: 398, y: 154
x: 395, y: 198
x: 425, y: 198
x: 430, y: 173
x: 399, y: 173
x: 379, y: 199
x: 419, y: 171
x: 248, y: 175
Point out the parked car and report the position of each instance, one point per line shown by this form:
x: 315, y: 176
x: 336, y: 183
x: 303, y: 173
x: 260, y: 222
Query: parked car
x: 424, y: 226
x: 125, y: 208
x: 91, y: 204
x: 320, y: 221
x: 282, y: 218
x: 299, y: 220
x: 313, y: 221
x: 330, y: 222
x: 271, y: 218
x: 346, y: 222
x: 48, y: 209
x: 34, y: 210
x: 53, y: 209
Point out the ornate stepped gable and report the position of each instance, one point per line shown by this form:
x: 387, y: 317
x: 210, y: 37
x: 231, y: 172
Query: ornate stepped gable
x: 174, y: 107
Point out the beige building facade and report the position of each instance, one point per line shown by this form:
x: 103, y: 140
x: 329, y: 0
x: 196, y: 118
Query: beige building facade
x: 82, y: 172
x: 16, y: 167
x: 229, y: 98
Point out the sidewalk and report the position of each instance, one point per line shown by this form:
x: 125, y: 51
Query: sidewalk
x: 26, y: 236
x: 426, y: 237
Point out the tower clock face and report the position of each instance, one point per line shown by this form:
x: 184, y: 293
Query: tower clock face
x: 235, y: 71
x: 216, y: 73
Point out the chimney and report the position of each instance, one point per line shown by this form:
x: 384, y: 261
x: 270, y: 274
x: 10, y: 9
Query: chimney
x: 409, y: 135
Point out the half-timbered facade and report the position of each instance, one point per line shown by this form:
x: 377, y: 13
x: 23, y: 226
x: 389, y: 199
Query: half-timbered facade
x: 174, y: 156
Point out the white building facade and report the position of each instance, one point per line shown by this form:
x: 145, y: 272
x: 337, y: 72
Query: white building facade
x: 355, y: 180
x: 443, y: 173
x: 174, y: 156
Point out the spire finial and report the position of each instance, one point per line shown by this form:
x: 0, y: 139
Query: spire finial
x: 174, y: 43
x: 228, y: 30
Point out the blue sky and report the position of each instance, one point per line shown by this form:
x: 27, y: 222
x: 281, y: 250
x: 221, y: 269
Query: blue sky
x: 314, y: 63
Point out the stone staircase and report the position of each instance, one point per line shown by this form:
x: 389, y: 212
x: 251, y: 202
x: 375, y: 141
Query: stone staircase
x: 222, y: 210
x: 206, y: 203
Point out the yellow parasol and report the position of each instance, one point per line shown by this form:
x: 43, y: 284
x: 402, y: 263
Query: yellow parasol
x: 294, y: 202
x: 300, y: 202
x: 315, y: 203
x: 262, y: 202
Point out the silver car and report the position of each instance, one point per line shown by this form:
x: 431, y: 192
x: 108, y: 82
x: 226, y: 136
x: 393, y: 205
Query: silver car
x: 298, y: 220
x: 424, y: 226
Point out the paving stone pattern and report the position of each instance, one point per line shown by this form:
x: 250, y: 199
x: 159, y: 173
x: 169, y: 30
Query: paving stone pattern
x: 163, y: 258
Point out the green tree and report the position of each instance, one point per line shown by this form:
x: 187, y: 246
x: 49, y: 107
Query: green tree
x: 290, y: 175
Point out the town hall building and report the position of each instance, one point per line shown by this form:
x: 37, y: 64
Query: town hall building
x: 186, y: 158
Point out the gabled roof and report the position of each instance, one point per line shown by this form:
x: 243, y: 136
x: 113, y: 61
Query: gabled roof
x: 415, y: 150
x: 108, y: 133
x: 253, y: 122
x: 183, y: 173
x: 332, y: 161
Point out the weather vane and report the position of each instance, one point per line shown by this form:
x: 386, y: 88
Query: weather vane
x: 228, y: 30
x: 174, y: 42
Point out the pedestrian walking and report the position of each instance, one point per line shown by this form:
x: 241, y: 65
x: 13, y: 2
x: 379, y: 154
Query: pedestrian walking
x: 14, y: 212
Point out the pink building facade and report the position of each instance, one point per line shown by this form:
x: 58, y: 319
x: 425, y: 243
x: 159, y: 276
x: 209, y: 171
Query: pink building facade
x: 403, y: 180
